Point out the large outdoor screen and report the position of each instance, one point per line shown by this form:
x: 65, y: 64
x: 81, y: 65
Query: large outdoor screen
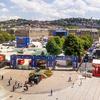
x: 20, y: 41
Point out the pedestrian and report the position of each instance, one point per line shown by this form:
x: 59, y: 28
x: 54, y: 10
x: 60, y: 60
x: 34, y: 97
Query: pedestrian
x: 26, y: 87
x: 2, y: 77
x: 51, y: 92
x: 72, y: 84
x: 21, y: 84
x: 15, y: 83
x: 31, y: 84
x: 13, y: 88
x: 18, y: 85
x: 80, y: 82
x: 85, y: 76
x: 69, y: 79
x: 9, y: 82
x: 25, y: 83
x: 10, y: 78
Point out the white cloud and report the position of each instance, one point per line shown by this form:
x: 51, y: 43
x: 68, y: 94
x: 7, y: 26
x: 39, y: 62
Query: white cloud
x: 3, y: 8
x: 2, y: 5
x: 4, y: 17
x: 93, y: 3
x: 59, y: 8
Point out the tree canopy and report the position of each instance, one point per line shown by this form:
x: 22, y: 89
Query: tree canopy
x: 73, y: 45
x: 58, y: 41
x: 5, y: 36
x: 87, y: 42
x: 54, y: 46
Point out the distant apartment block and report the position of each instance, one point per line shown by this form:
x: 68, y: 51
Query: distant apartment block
x: 33, y: 33
x: 82, y: 31
x: 40, y: 32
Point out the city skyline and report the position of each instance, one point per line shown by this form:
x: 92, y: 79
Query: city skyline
x: 48, y: 9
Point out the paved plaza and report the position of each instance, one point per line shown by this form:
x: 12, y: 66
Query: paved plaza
x: 58, y: 81
x: 89, y: 90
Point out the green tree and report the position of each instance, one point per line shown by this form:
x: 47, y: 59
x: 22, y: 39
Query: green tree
x: 52, y: 47
x: 58, y: 41
x: 12, y: 36
x: 2, y: 39
x: 5, y: 36
x: 62, y: 41
x: 87, y: 41
x: 90, y: 39
x: 73, y: 45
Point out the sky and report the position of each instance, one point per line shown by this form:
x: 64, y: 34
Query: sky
x: 49, y: 9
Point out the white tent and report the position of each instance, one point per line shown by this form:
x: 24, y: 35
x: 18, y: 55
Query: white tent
x: 29, y: 52
x: 37, y: 44
x: 62, y: 54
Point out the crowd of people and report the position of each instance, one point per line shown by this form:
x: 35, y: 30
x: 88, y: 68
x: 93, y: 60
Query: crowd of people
x: 15, y: 84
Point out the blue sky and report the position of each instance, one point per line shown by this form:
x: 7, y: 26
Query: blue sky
x: 48, y: 9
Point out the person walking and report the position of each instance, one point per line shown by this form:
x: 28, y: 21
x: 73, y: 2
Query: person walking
x: 21, y: 84
x: 69, y: 79
x: 51, y: 92
x: 13, y: 88
x: 15, y: 83
x: 80, y: 82
x: 2, y: 77
x: 9, y: 82
x: 26, y: 87
x: 18, y: 85
x: 31, y: 84
x: 10, y: 78
x: 72, y: 84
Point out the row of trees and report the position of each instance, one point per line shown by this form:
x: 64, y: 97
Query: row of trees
x: 5, y: 36
x: 70, y: 45
x: 75, y: 22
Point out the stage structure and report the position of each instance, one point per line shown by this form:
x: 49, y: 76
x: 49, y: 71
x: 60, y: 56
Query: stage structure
x: 50, y: 60
x: 60, y: 32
